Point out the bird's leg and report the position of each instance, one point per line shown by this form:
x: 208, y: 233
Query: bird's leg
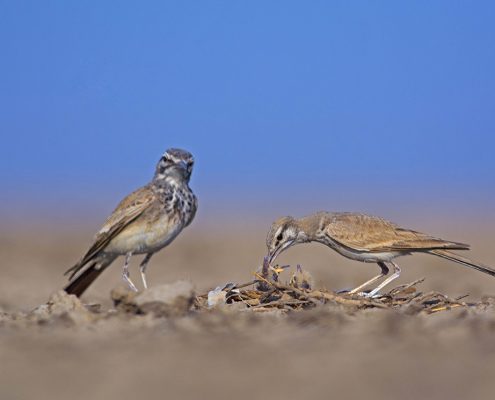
x: 383, y: 273
x: 395, y: 275
x: 125, y: 272
x: 142, y: 268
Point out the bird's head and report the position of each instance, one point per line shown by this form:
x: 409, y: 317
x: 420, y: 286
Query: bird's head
x: 283, y: 233
x: 176, y: 164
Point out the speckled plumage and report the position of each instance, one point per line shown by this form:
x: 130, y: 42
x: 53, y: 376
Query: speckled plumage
x: 143, y: 223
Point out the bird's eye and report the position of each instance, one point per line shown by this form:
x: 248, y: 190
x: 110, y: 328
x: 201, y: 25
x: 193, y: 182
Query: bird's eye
x: 280, y: 237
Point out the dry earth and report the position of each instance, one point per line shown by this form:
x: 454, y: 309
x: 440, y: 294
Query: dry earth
x: 66, y: 350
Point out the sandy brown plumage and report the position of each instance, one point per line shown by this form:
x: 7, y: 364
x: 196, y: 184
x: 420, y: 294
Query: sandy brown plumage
x: 366, y: 233
x: 364, y: 238
x: 127, y: 211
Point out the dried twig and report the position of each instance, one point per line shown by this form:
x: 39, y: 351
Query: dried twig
x: 403, y: 288
x: 276, y: 295
x: 242, y: 285
x: 282, y: 303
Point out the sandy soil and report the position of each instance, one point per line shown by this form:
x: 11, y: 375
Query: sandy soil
x: 325, y: 352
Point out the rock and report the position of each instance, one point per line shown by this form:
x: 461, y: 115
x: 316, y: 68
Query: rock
x: 64, y: 306
x: 488, y: 300
x: 124, y: 299
x: 4, y: 317
x: 216, y: 297
x: 167, y: 300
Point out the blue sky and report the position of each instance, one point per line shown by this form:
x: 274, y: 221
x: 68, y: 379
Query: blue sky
x: 380, y: 99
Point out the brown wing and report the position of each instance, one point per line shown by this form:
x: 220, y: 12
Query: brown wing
x: 126, y: 212
x: 373, y: 234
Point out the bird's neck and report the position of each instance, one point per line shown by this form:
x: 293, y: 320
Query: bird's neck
x: 169, y: 180
x: 309, y: 227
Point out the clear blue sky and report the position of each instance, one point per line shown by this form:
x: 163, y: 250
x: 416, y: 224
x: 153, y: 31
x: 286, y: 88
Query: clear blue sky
x: 367, y: 97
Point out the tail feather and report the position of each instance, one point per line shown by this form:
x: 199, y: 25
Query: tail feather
x: 463, y: 260
x: 78, y: 285
x: 73, y: 270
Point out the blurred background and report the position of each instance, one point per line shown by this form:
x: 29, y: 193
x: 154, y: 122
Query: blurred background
x: 289, y: 107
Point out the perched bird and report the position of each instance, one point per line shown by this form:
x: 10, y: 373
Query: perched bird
x: 363, y: 238
x: 143, y: 223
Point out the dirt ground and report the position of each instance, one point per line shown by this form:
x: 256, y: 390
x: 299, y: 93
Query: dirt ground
x: 325, y: 352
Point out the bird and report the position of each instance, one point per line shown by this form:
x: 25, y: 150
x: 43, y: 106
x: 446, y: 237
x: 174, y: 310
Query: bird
x: 263, y: 272
x: 301, y: 279
x: 363, y: 238
x: 144, y: 222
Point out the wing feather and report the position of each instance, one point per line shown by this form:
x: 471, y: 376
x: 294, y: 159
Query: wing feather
x: 366, y: 233
x: 128, y: 210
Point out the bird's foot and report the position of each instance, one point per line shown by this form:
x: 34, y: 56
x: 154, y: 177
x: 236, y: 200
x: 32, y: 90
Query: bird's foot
x: 129, y: 282
x: 369, y: 295
x: 143, y: 278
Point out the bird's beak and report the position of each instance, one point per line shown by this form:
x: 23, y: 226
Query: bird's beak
x: 271, y: 257
x: 183, y: 164
x: 278, y: 250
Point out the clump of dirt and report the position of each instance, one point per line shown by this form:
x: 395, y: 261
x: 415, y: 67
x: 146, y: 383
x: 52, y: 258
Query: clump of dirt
x: 62, y: 306
x: 169, y: 300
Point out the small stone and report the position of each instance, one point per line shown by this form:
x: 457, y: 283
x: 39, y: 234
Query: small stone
x: 65, y: 306
x: 167, y: 300
x: 124, y: 299
x: 488, y: 300
x: 216, y: 296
